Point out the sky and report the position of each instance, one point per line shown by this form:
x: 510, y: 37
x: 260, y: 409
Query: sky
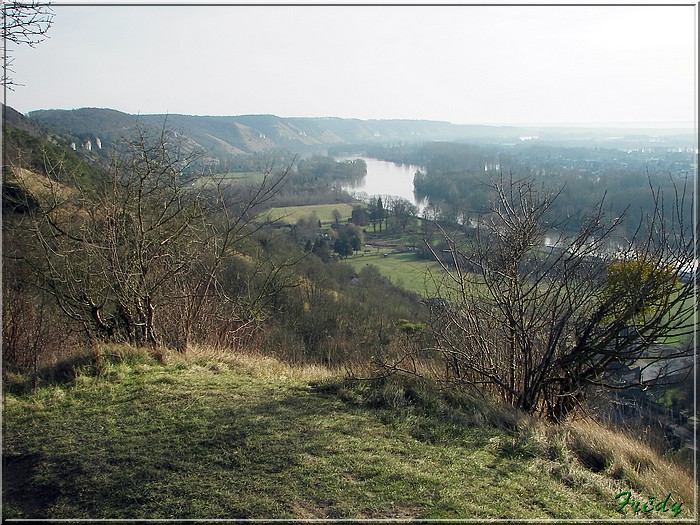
x: 468, y: 64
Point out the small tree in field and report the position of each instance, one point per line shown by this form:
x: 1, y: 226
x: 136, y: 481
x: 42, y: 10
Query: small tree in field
x: 403, y: 211
x: 342, y: 247
x: 537, y: 325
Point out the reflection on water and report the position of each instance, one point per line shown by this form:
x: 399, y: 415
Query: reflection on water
x: 386, y: 178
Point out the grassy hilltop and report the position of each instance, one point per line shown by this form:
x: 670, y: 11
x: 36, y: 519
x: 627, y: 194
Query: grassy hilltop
x: 126, y: 435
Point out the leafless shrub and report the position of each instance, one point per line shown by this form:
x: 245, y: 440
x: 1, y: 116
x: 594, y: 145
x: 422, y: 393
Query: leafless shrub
x: 537, y: 325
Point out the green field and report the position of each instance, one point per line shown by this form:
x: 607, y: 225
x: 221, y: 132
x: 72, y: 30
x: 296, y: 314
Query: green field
x: 249, y: 437
x: 291, y: 214
x: 405, y: 270
x: 227, y: 178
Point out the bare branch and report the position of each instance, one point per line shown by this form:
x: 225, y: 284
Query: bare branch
x: 23, y: 23
x: 537, y: 325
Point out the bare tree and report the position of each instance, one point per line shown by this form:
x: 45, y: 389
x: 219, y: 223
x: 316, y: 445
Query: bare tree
x: 539, y: 323
x: 402, y: 211
x: 23, y: 23
x: 144, y: 244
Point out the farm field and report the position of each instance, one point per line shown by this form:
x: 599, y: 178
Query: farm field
x: 324, y: 212
x: 403, y: 269
x: 244, y: 176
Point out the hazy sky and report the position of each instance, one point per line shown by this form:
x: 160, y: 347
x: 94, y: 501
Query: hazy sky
x: 463, y: 64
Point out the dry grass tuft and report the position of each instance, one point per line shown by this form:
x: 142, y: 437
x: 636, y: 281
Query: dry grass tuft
x: 259, y: 365
x: 588, y: 451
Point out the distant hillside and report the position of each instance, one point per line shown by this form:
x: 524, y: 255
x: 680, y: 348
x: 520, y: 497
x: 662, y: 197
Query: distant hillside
x: 14, y: 118
x: 222, y: 136
x: 28, y: 144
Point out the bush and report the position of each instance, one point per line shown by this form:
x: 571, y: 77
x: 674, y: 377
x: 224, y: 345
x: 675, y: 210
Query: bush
x: 34, y: 334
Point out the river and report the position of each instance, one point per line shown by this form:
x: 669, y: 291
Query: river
x: 386, y: 178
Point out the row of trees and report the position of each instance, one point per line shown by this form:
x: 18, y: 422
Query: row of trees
x: 387, y: 212
x: 455, y: 182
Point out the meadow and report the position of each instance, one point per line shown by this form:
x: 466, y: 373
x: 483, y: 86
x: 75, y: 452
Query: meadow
x: 404, y: 270
x: 324, y: 212
x: 126, y: 435
x: 249, y: 177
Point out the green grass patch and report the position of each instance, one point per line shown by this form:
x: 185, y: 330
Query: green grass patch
x: 237, y: 177
x: 291, y: 214
x: 231, y: 438
x: 405, y: 270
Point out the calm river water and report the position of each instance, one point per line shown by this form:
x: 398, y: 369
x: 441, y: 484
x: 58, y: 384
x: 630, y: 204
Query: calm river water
x: 386, y: 178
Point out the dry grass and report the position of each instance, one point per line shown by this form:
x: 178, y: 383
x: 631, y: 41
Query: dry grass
x: 628, y: 458
x: 587, y: 453
x: 40, y: 186
x: 251, y: 362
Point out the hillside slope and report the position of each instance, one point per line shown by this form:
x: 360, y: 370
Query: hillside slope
x: 248, y: 437
x: 225, y: 135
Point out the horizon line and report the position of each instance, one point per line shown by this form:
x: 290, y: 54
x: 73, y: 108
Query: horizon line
x: 661, y: 124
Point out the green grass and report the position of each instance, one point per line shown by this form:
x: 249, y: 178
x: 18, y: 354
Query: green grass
x: 291, y: 214
x: 252, y: 438
x: 247, y: 177
x: 405, y: 270
x: 408, y: 237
